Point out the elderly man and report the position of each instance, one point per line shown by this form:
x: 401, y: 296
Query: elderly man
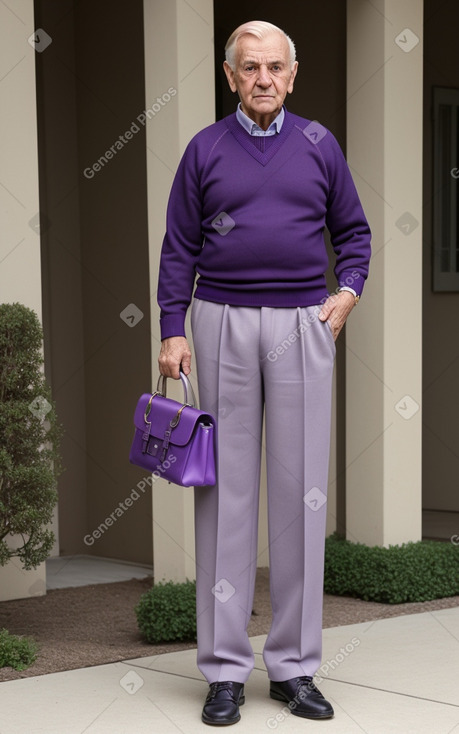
x: 247, y: 210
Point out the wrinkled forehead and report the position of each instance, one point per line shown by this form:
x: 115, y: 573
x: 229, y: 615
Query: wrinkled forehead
x: 262, y: 50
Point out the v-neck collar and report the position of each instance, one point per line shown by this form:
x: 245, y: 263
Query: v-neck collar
x: 243, y: 138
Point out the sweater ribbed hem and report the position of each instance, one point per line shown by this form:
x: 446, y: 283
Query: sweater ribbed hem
x: 270, y: 298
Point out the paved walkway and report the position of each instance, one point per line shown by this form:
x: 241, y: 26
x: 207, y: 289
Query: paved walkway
x: 392, y: 676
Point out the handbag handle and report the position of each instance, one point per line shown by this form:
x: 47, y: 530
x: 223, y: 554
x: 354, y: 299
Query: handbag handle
x: 188, y: 391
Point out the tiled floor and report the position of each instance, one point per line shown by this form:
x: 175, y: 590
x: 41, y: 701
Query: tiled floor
x: 392, y: 676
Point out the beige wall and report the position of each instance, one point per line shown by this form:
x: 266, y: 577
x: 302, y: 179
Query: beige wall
x: 20, y: 278
x: 178, y: 55
x: 384, y: 339
x: 95, y: 257
x: 20, y: 275
x: 441, y: 310
x: 95, y: 247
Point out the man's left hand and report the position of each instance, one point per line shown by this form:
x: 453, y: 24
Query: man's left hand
x: 336, y: 309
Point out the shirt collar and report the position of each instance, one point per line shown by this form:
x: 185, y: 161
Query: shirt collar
x: 254, y: 129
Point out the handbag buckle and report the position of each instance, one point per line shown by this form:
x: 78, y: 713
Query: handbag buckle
x: 176, y: 420
x: 173, y: 424
x: 147, y: 410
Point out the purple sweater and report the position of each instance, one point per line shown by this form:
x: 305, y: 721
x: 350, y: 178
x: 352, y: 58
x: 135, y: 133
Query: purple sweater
x: 248, y: 215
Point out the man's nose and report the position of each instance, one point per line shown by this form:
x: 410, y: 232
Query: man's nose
x: 264, y: 79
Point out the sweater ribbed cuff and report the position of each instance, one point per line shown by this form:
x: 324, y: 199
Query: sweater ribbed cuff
x: 352, y: 279
x: 172, y: 325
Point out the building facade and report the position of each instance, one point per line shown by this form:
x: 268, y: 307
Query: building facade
x: 100, y: 100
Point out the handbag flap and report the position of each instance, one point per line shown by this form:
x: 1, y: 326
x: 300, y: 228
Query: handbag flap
x: 163, y: 411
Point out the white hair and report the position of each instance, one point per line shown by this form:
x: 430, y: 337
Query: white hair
x: 260, y: 29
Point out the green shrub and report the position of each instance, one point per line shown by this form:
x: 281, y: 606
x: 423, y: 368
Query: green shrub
x: 167, y: 612
x: 409, y: 572
x: 29, y: 438
x: 16, y: 652
x: 412, y: 572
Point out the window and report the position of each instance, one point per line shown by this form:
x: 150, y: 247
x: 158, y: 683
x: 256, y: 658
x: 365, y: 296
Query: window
x: 446, y: 190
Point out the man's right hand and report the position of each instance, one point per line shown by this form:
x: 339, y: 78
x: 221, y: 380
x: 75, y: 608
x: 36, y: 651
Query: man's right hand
x: 174, y: 352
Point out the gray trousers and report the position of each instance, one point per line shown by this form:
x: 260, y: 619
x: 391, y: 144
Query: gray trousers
x: 279, y: 360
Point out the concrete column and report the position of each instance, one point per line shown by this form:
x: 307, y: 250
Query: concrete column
x: 179, y: 78
x: 383, y: 337
x: 20, y: 275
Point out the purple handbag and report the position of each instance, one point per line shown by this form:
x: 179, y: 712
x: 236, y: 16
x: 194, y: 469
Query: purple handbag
x: 174, y: 440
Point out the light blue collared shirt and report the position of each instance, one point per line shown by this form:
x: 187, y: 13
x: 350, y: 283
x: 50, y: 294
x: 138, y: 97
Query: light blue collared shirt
x: 254, y: 129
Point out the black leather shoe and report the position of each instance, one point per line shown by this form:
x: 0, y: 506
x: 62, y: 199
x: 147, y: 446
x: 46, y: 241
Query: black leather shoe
x: 222, y: 703
x: 303, y: 698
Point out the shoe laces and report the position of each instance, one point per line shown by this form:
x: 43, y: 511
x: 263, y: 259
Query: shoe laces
x: 306, y: 681
x: 221, y: 686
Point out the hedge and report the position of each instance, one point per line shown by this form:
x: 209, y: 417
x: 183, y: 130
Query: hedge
x: 167, y: 612
x: 411, y: 572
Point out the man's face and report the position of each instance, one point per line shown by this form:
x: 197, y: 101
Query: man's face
x: 262, y: 76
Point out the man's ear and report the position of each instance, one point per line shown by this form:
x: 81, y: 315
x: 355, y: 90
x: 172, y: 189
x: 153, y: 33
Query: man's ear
x: 292, y: 77
x: 230, y: 76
